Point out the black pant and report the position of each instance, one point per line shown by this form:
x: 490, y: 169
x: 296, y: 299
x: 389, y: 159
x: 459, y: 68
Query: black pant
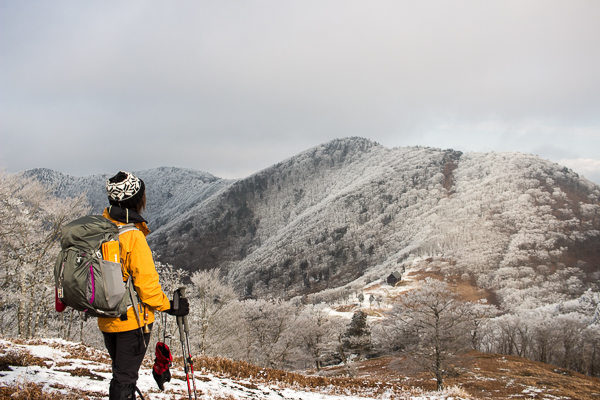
x: 127, y: 352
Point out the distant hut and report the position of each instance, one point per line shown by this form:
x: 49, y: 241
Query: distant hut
x: 394, y: 278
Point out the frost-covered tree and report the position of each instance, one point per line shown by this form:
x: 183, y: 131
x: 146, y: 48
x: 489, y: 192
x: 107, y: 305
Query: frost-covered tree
x: 513, y: 334
x: 272, y: 334
x: 165, y: 326
x: 479, y: 314
x: 30, y: 222
x: 591, y: 340
x: 436, y: 322
x: 563, y: 334
x: 214, y: 305
x: 318, y: 332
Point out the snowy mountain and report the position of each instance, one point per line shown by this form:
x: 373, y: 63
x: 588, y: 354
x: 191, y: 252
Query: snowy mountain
x: 351, y: 211
x: 170, y: 191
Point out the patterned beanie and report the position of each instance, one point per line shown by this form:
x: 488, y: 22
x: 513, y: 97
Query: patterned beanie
x: 125, y: 190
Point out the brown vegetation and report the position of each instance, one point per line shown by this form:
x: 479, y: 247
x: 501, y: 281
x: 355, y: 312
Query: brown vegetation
x: 32, y: 391
x: 20, y: 359
x: 82, y: 372
x: 346, y: 308
x: 336, y: 385
x: 466, y: 289
x: 480, y: 375
x: 488, y: 376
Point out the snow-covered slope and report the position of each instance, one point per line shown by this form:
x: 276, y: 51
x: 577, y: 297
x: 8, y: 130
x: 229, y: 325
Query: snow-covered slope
x: 77, y: 371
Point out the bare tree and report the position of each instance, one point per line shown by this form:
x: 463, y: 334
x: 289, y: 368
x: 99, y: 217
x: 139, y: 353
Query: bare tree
x: 30, y: 223
x: 213, y: 301
x: 170, y: 279
x: 480, y: 314
x: 271, y: 328
x: 318, y: 331
x: 435, y: 324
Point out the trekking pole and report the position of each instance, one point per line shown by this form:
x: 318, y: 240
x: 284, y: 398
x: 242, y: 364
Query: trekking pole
x: 190, y: 361
x: 139, y: 392
x: 165, y: 335
x: 176, y: 295
x: 164, y: 324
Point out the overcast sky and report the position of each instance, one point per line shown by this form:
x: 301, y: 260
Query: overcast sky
x: 232, y: 87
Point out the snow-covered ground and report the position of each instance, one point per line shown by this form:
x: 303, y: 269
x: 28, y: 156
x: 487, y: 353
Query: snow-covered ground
x: 69, y: 368
x: 382, y: 292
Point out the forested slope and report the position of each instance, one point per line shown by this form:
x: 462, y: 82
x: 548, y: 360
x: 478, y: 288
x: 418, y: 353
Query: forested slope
x: 352, y: 210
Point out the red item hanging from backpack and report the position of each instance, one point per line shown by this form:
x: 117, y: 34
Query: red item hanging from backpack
x: 58, y: 305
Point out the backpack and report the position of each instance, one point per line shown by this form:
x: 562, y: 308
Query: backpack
x: 84, y: 280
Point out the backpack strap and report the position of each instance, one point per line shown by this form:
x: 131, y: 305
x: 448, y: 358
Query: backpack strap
x: 126, y: 228
x: 122, y: 230
x: 132, y: 292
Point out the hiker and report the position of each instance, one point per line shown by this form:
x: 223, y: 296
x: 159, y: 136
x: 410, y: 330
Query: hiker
x: 125, y: 341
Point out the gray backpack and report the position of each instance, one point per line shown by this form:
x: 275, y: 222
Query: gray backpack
x: 84, y: 280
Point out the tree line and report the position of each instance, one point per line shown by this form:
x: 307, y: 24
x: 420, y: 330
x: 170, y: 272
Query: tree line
x: 430, y: 326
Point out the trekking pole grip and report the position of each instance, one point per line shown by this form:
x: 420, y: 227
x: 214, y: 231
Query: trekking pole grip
x: 181, y: 292
x: 176, y: 295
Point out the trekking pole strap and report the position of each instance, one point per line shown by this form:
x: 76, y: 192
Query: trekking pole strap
x: 136, y: 310
x: 134, y: 302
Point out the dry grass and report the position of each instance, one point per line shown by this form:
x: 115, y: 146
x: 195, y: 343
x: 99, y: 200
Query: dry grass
x: 73, y: 350
x: 467, y: 290
x: 83, y: 352
x: 492, y: 376
x: 82, y: 372
x: 374, y: 312
x: 509, y: 375
x: 21, y: 359
x: 346, y: 308
x: 31, y: 391
x: 483, y: 376
x: 337, y: 385
x: 403, y: 283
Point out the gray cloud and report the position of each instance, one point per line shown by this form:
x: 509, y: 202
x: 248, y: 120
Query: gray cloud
x: 232, y: 87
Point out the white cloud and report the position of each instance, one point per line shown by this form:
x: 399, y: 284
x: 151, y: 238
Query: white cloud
x: 227, y: 78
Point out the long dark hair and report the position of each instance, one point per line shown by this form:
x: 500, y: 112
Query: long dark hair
x: 141, y: 205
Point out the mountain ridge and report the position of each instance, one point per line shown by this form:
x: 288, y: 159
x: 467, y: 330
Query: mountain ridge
x: 290, y: 229
x: 169, y: 189
x: 350, y: 211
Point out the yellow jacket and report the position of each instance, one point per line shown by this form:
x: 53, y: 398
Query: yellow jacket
x: 137, y: 259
